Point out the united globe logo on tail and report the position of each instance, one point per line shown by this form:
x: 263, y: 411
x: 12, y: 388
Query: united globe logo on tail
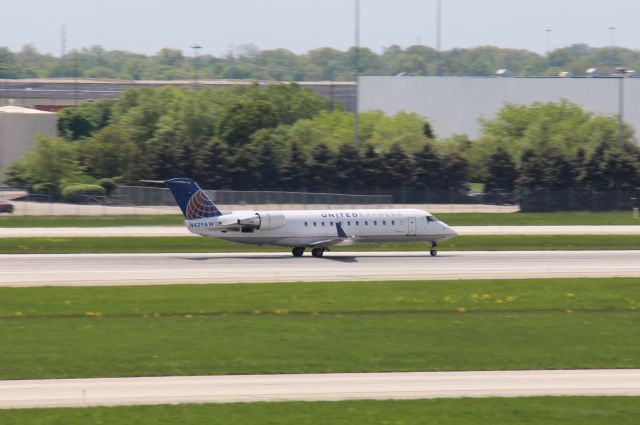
x: 200, y: 206
x: 193, y: 201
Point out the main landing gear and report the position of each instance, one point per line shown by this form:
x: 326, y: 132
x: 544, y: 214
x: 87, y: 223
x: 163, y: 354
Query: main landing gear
x: 434, y: 250
x: 298, y: 251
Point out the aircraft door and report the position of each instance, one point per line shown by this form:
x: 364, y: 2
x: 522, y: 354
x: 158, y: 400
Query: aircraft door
x: 412, y: 226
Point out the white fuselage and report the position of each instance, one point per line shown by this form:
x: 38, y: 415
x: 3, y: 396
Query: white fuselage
x: 299, y: 228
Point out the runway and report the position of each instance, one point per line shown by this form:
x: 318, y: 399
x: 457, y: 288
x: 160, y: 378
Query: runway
x: 143, y: 269
x: 347, y: 386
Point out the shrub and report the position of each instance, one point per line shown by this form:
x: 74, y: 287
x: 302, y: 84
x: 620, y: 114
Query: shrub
x: 109, y: 185
x: 45, y: 189
x: 75, y: 192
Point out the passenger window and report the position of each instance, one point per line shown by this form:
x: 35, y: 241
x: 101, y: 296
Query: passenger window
x: 366, y: 223
x: 306, y: 224
x: 315, y: 224
x: 323, y: 224
x: 393, y: 222
x: 384, y: 222
x: 331, y: 223
x: 357, y: 223
x: 348, y: 223
x: 375, y: 223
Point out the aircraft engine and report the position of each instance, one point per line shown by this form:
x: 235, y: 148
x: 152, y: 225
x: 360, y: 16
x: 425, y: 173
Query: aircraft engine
x: 263, y: 221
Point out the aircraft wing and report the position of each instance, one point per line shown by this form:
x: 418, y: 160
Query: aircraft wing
x: 341, y: 240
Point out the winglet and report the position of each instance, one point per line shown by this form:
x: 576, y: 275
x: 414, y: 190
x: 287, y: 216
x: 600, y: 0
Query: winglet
x: 341, y: 232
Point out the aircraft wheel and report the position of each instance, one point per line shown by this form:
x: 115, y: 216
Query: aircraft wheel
x: 317, y: 252
x: 433, y: 252
x: 297, y: 251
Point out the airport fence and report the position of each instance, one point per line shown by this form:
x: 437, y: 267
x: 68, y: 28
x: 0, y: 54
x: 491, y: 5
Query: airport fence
x: 575, y: 200
x: 155, y: 196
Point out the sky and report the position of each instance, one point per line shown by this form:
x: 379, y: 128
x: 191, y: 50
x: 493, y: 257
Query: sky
x: 146, y: 26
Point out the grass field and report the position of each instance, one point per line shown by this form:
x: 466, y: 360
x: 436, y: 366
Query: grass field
x: 56, y: 332
x: 58, y: 245
x: 482, y: 411
x: 453, y: 219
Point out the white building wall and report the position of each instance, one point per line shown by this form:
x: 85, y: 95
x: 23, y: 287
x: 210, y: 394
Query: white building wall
x: 18, y: 130
x: 454, y: 105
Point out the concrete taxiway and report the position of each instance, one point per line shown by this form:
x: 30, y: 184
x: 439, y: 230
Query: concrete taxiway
x: 345, y: 386
x: 157, y: 231
x: 143, y: 269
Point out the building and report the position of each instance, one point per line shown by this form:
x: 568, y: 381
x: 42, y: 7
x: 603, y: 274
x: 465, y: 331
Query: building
x: 52, y: 94
x: 454, y: 105
x: 18, y: 129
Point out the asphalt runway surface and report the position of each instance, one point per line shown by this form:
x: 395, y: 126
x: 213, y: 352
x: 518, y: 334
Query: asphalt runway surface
x: 143, y: 269
x: 330, y: 386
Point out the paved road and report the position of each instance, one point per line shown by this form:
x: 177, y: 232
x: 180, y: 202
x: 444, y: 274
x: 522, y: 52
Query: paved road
x: 141, y: 269
x: 148, y: 231
x: 221, y: 389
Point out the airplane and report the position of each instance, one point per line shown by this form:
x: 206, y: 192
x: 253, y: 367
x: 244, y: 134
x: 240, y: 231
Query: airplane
x: 318, y: 230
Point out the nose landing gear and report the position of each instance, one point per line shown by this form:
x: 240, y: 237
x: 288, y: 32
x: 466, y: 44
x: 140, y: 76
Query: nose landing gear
x: 433, y: 251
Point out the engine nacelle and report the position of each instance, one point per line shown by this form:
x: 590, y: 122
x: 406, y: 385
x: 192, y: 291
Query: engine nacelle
x: 263, y: 221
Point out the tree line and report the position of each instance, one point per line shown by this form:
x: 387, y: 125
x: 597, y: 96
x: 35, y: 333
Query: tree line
x: 283, y: 137
x: 322, y: 64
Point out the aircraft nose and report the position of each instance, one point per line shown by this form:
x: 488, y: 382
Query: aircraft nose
x: 450, y: 231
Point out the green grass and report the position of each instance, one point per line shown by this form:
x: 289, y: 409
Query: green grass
x: 477, y: 411
x: 454, y: 219
x: 45, y: 245
x: 568, y: 218
x: 91, y: 221
x: 57, y: 332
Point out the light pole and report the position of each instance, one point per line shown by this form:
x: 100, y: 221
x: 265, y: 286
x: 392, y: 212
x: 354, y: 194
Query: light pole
x: 621, y: 77
x: 356, y: 71
x: 612, y: 32
x: 548, y: 46
x: 196, y: 47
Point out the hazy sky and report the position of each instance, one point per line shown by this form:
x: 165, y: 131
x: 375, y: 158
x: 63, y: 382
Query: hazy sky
x: 145, y: 26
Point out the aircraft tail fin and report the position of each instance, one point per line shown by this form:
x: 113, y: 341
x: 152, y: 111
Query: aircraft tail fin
x: 193, y: 201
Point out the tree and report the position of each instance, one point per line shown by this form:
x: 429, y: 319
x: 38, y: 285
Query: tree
x: 294, y: 173
x: 243, y: 117
x: 349, y: 168
x: 398, y: 167
x: 244, y: 170
x: 212, y: 165
x: 50, y: 161
x: 455, y: 172
x: 79, y: 122
x: 322, y: 169
x: 559, y: 173
x: 267, y: 167
x: 373, y: 168
x: 501, y: 171
x: 531, y: 168
x: 107, y: 154
x: 428, y: 168
x: 427, y: 130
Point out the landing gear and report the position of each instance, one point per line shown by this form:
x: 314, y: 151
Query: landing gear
x: 434, y: 250
x: 298, y: 251
x: 317, y: 252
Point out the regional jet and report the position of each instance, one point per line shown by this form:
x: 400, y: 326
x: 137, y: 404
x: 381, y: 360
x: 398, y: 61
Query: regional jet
x: 318, y: 230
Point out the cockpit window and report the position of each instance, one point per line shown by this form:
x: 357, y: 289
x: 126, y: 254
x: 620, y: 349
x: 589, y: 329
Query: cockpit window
x: 431, y: 218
